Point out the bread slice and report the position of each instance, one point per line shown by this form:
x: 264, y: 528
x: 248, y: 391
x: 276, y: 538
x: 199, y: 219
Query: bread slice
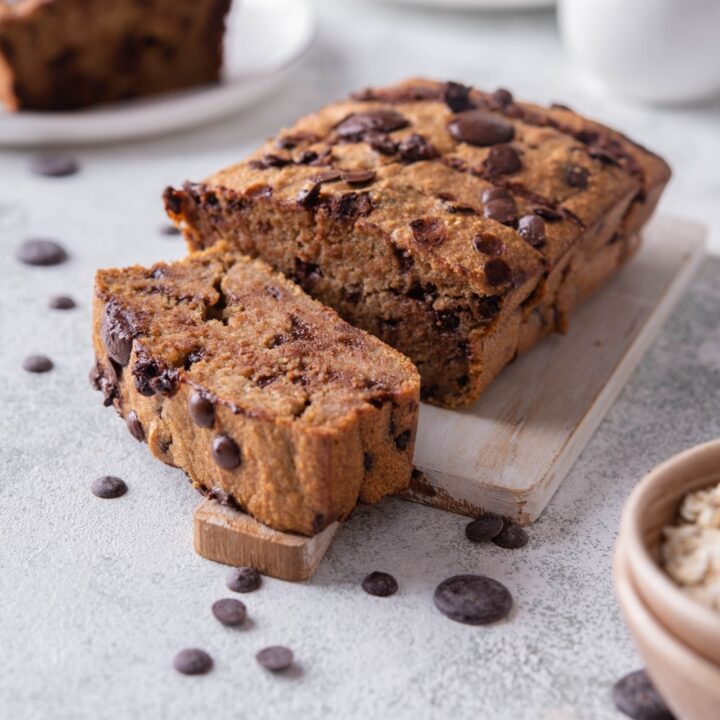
x: 69, y: 54
x: 265, y: 398
x: 459, y: 226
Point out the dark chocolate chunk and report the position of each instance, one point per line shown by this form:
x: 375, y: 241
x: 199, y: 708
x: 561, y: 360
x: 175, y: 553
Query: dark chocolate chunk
x: 327, y: 176
x: 497, y: 272
x: 484, y: 528
x: 225, y: 452
x: 503, y: 160
x: 201, y: 409
x: 41, y: 253
x: 477, y: 127
x: 229, y: 611
x: 402, y: 440
x: 350, y: 206
x: 511, y: 537
x: 457, y: 97
x: 275, y: 658
x: 134, y: 426
x: 62, y: 302
x: 37, y: 364
x: 415, y: 148
x: 499, y: 205
x: 355, y: 126
x: 358, y: 178
x: 193, y: 661
x: 306, y: 273
x: 243, y: 579
x: 532, y: 230
x: 473, y: 599
x: 117, y: 334
x: 546, y: 212
x: 489, y: 306
x: 54, y: 165
x: 428, y: 231
x: 368, y: 461
x: 381, y: 143
x: 108, y: 487
x: 169, y: 230
x: 379, y: 584
x: 636, y: 696
x: 575, y: 176
x: 446, y: 320
x: 309, y: 195
x: 488, y: 244
x: 501, y: 99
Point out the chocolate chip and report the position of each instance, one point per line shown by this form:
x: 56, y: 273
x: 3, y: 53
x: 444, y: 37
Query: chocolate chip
x: 193, y: 661
x: 503, y: 160
x: 511, y: 537
x: 381, y: 143
x: 428, y: 231
x: 306, y: 274
x: 41, y: 253
x: 477, y: 127
x: 402, y: 440
x: 170, y: 230
x: 446, y: 320
x: 368, y: 461
x: 358, y: 178
x: 37, y: 364
x: 108, y: 487
x: 488, y: 244
x: 489, y: 306
x: 484, y: 528
x: 532, y: 230
x: 309, y: 195
x: 117, y: 334
x: 575, y: 176
x: 225, y: 452
x: 473, y: 599
x: 201, y: 409
x: 357, y: 125
x: 497, y: 272
x: 62, y: 302
x: 546, y: 212
x: 379, y: 584
x: 327, y: 176
x: 415, y: 148
x: 350, y: 206
x: 275, y: 658
x: 636, y: 696
x: 499, y: 205
x: 229, y: 611
x: 134, y: 426
x: 54, y: 165
x: 243, y: 579
x: 457, y: 97
x: 501, y: 98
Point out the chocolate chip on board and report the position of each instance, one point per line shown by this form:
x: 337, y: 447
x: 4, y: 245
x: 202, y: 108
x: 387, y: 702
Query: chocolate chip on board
x: 54, y: 165
x: 275, y: 658
x: 480, y: 128
x: 62, y: 302
x: 635, y: 696
x: 484, y: 528
x: 379, y: 584
x: 243, y: 579
x: 473, y: 599
x: 229, y: 611
x: 193, y: 661
x: 37, y: 364
x: 41, y: 252
x: 108, y: 487
x: 225, y: 452
x: 511, y: 537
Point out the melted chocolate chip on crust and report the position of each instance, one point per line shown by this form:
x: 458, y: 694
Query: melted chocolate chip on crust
x: 428, y: 231
x: 225, y: 452
x: 379, y: 584
x: 502, y: 160
x: 575, y: 176
x: 497, y: 272
x: 488, y: 244
x: 473, y: 599
x: 532, y: 230
x: 499, y: 205
x: 480, y: 128
x: 501, y: 99
x: 355, y: 126
x: 134, y: 426
x: 359, y: 178
x: 457, y: 97
x: 117, y: 334
x: 415, y: 148
x: 201, y: 410
x: 41, y: 253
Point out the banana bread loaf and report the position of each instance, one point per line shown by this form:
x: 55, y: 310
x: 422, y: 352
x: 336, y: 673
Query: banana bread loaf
x: 458, y: 226
x: 265, y: 398
x: 68, y: 54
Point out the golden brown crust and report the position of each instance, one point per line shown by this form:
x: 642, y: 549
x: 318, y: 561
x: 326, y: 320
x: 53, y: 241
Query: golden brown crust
x: 432, y: 214
x: 311, y: 414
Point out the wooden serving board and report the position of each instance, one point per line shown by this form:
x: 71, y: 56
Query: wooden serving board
x: 510, y: 451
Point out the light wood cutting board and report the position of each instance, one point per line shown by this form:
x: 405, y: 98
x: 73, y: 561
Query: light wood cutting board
x: 510, y: 451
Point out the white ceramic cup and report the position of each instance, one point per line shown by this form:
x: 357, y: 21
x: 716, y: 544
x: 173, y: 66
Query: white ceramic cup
x: 652, y: 50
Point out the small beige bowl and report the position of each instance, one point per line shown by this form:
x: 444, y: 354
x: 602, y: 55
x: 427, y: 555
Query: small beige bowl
x: 653, y: 504
x: 689, y: 684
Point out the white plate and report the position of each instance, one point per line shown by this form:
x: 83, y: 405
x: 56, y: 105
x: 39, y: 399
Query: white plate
x: 477, y: 4
x: 264, y: 37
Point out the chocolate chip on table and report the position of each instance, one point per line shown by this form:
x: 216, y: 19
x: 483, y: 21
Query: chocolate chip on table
x: 473, y: 599
x: 480, y: 128
x: 201, y: 409
x: 108, y: 487
x: 41, y: 252
x: 575, y: 176
x: 497, y: 272
x: 275, y: 658
x: 54, y: 165
x: 37, y: 364
x: 484, y: 528
x: 635, y: 696
x: 511, y: 537
x: 488, y: 244
x: 62, y: 302
x: 134, y: 426
x: 229, y: 611
x: 503, y: 160
x: 193, y: 661
x: 532, y: 230
x: 379, y: 584
x: 170, y: 230
x: 243, y: 579
x: 225, y: 452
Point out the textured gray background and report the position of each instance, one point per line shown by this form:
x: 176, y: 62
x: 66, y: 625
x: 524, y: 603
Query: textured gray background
x: 96, y: 596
